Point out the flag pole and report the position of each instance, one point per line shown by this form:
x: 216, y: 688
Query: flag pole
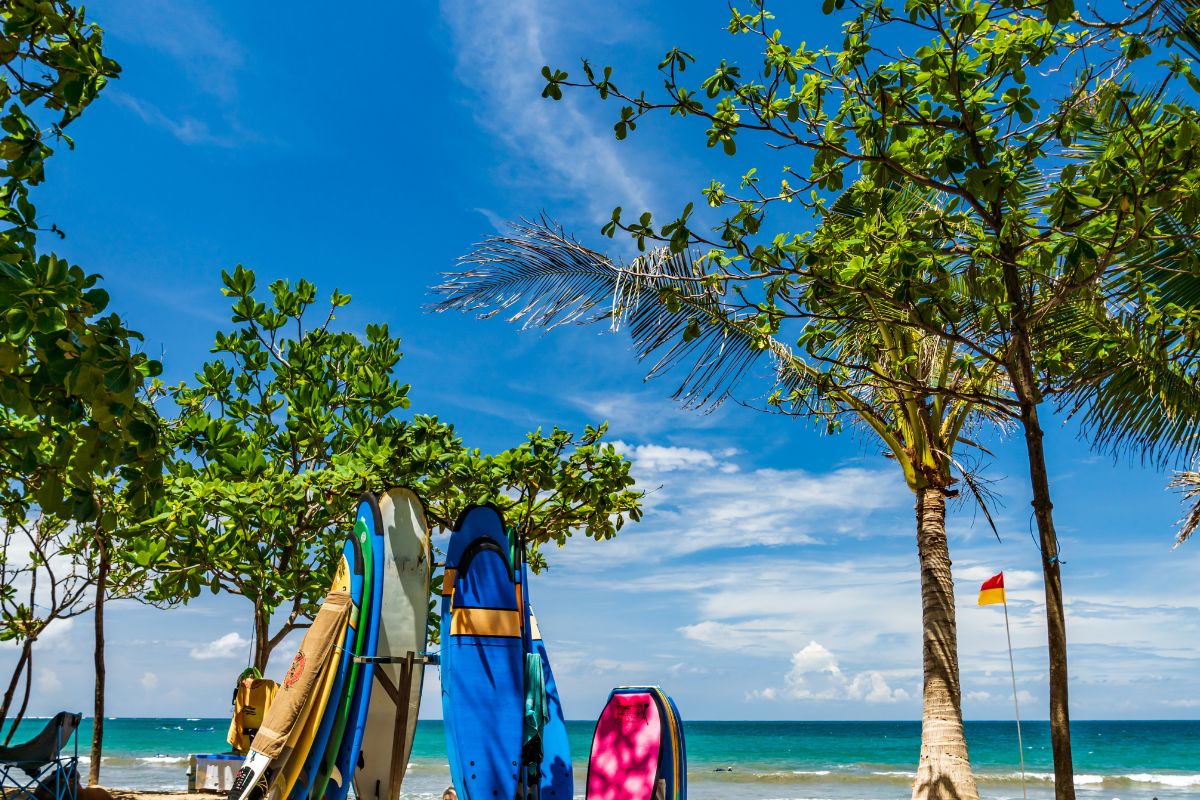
x: 1016, y: 705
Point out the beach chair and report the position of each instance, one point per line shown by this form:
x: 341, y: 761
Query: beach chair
x: 41, y: 768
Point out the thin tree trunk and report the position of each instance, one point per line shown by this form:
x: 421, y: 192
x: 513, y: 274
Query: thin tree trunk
x: 944, y: 770
x: 6, y: 703
x: 98, y: 713
x: 1023, y: 376
x: 25, y: 698
x: 262, y: 637
x: 1056, y: 624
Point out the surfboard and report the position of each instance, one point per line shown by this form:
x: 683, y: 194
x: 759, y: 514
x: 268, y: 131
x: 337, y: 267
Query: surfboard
x: 303, y: 735
x: 396, y: 699
x: 352, y: 564
x: 346, y: 702
x: 557, y: 781
x: 550, y: 778
x: 638, y: 748
x: 302, y: 693
x: 482, y: 659
x: 367, y: 516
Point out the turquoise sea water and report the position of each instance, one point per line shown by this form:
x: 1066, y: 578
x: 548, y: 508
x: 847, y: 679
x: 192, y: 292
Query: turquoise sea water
x: 769, y: 760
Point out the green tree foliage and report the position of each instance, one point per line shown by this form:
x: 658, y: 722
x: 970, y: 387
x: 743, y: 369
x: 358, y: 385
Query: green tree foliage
x: 291, y: 421
x: 1061, y: 184
x: 69, y: 374
x: 75, y: 434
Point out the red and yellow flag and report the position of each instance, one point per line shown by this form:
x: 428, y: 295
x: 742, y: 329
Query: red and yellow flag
x: 992, y: 591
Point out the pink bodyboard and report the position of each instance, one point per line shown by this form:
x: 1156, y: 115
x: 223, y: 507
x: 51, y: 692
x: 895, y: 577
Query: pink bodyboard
x: 625, y: 749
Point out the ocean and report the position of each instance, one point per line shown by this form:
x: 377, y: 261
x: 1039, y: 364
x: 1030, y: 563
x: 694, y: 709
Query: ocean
x: 769, y: 760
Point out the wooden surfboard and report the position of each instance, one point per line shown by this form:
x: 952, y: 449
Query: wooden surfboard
x: 404, y: 614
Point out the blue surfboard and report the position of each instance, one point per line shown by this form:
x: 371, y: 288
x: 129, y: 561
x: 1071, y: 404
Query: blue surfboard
x: 367, y: 514
x: 482, y: 659
x: 557, y: 780
x: 353, y: 555
x: 548, y: 765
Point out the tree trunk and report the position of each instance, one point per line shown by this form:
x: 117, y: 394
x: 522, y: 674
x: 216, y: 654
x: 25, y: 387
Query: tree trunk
x: 25, y: 698
x: 944, y: 770
x: 6, y: 703
x: 1023, y: 376
x: 98, y: 713
x: 1056, y: 624
x: 262, y: 638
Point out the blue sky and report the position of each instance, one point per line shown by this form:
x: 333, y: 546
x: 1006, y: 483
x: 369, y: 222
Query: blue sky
x: 774, y: 575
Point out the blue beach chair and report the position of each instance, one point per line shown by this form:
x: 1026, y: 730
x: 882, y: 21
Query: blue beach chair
x: 41, y: 768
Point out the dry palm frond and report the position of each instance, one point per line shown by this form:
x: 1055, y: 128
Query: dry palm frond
x: 544, y: 278
x: 1189, y: 485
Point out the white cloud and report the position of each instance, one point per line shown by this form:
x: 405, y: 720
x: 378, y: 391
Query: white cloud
x: 501, y: 49
x: 47, y: 680
x: 656, y: 458
x: 59, y: 635
x: 231, y: 645
x: 815, y: 675
x: 1187, y: 702
x: 149, y: 681
x: 701, y: 499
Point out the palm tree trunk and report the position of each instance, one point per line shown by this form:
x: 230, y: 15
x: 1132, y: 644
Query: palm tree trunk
x: 944, y: 770
x: 98, y: 713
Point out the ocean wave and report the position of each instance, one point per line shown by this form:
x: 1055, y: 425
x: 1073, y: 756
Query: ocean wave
x: 1174, y: 780
x: 161, y: 759
x: 849, y: 774
x: 800, y: 777
x: 1165, y: 780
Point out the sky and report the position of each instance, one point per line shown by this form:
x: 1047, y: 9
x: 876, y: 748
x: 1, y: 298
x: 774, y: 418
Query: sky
x: 774, y: 575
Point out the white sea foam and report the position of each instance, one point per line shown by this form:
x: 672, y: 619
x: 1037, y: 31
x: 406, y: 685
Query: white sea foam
x: 1165, y: 780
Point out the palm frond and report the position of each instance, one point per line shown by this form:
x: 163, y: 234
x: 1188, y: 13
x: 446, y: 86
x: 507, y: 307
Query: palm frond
x: 1183, y: 24
x: 1189, y: 485
x: 545, y: 278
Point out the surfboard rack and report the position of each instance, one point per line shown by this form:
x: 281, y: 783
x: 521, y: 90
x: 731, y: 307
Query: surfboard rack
x: 428, y: 659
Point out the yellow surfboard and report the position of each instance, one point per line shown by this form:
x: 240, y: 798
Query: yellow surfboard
x: 300, y: 742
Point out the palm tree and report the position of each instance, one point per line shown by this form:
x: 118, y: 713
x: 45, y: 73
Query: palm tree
x: 913, y: 390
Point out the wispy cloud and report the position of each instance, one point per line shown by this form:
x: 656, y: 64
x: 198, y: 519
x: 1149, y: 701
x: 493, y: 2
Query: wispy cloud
x: 187, y: 129
x: 188, y: 32
x: 501, y: 49
x: 644, y: 414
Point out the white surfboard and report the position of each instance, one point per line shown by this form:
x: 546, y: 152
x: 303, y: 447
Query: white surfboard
x: 396, y: 696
